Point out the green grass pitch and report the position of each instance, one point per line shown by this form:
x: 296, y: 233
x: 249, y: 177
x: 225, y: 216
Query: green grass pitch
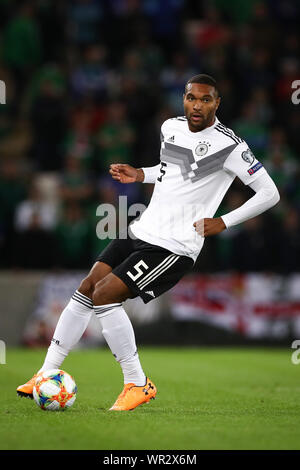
x: 214, y: 398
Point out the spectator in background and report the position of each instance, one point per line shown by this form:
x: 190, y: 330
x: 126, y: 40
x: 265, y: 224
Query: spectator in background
x: 141, y: 105
x: 35, y: 208
x: 280, y: 159
x: 76, y: 186
x: 151, y: 55
x: 34, y: 247
x: 48, y: 118
x: 243, y: 49
x: 78, y: 141
x: 227, y: 112
x: 290, y: 47
x: 173, y: 79
x: 52, y: 73
x: 132, y: 68
x: 164, y: 20
x: 140, y: 101
x: 264, y: 27
x: 35, y: 220
x: 91, y: 77
x: 289, y: 71
x: 86, y: 18
x: 115, y: 138
x: 50, y: 17
x: 12, y: 193
x: 12, y: 188
x: 260, y: 98
x: 257, y: 72
x: 280, y: 168
x: 128, y: 19
x: 149, y: 138
x: 217, y: 62
x: 234, y: 13
x: 21, y: 45
x: 212, y: 31
x: 72, y: 238
x: 247, y: 126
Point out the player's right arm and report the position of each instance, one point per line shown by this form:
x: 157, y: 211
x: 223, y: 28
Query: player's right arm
x: 128, y: 174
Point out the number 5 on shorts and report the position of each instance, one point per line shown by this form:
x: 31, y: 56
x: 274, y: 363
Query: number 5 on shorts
x: 139, y: 272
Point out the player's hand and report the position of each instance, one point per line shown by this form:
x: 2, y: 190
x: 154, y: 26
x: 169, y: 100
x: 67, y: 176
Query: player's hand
x: 126, y: 173
x: 208, y: 227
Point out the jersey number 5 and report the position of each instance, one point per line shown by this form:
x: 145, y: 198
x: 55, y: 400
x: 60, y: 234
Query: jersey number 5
x: 162, y: 171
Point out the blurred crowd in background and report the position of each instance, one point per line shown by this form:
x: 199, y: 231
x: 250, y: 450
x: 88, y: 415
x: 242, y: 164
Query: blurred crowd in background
x: 89, y: 83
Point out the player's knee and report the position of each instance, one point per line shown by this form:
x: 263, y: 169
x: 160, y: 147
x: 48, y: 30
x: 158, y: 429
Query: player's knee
x: 104, y: 294
x: 87, y: 287
x: 99, y: 296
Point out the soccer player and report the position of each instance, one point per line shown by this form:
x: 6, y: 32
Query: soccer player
x: 199, y: 159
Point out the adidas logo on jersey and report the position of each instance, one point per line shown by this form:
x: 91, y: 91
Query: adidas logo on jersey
x: 171, y: 139
x: 150, y: 292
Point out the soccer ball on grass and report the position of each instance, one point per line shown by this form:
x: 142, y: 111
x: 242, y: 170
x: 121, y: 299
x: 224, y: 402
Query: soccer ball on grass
x: 54, y: 390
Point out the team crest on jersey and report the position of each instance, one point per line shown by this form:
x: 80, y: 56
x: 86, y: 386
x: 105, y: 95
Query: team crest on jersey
x: 248, y: 156
x: 202, y: 148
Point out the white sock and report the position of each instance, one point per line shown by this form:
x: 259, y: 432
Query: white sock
x: 118, y: 332
x: 69, y: 329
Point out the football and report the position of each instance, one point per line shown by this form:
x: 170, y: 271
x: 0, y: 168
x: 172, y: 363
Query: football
x: 54, y: 390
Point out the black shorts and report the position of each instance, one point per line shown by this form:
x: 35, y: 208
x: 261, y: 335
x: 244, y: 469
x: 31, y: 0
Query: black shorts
x: 148, y: 270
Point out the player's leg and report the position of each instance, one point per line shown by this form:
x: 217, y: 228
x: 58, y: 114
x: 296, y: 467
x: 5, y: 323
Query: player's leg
x: 116, y: 326
x: 74, y: 318
x: 71, y: 325
x: 117, y: 329
x: 148, y: 272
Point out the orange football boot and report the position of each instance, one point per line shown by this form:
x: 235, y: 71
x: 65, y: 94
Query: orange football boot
x: 26, y: 390
x: 133, y: 396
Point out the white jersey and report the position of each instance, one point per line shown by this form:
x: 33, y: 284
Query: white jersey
x: 195, y: 172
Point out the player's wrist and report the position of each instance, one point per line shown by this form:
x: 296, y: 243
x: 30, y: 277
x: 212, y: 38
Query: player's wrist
x: 140, y: 175
x: 222, y: 223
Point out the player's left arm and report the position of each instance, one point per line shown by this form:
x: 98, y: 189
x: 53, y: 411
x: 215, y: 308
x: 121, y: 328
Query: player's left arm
x: 267, y: 195
x: 243, y: 164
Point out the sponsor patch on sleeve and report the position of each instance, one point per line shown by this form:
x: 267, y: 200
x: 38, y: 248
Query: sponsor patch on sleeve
x: 255, y: 168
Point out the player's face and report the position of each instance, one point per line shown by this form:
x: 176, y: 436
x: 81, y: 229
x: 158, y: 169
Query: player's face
x: 200, y: 104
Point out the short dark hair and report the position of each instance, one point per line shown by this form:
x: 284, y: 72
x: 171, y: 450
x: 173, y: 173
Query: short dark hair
x: 203, y: 78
